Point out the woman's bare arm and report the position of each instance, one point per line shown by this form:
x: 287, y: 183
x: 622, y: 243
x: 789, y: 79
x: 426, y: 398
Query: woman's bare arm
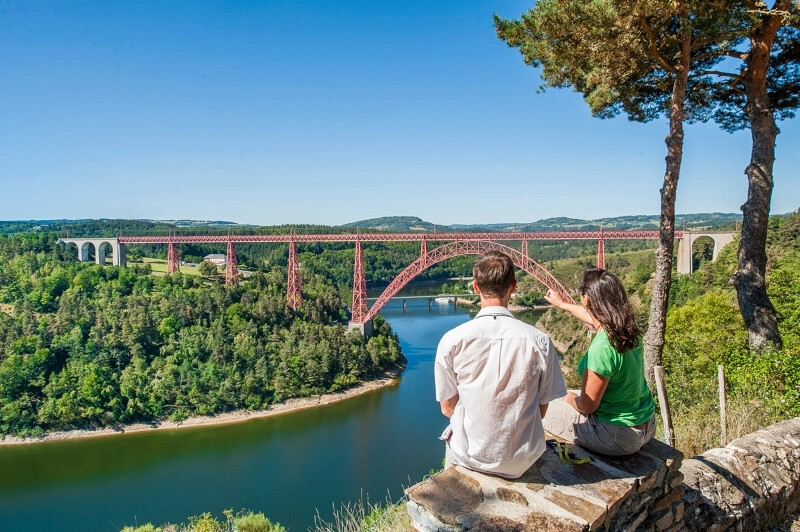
x: 555, y: 299
x: 593, y: 387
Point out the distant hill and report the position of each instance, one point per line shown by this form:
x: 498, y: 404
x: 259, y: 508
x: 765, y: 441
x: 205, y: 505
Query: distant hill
x: 109, y: 227
x: 701, y: 221
x: 392, y: 224
x: 199, y: 223
x: 398, y: 224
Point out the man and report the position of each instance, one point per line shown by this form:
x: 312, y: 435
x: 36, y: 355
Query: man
x: 494, y: 377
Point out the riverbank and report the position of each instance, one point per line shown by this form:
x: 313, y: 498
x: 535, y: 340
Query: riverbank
x: 236, y: 416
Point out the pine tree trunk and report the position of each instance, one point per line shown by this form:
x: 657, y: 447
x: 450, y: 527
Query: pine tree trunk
x: 654, y: 338
x: 750, y: 278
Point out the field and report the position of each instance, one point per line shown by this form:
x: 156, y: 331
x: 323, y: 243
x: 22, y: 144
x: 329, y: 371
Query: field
x: 159, y: 266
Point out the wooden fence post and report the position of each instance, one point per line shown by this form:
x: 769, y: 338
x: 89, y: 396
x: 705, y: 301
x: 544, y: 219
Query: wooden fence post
x: 666, y: 417
x: 723, y: 406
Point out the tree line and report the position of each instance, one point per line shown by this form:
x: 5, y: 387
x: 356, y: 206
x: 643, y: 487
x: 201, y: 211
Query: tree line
x: 383, y: 260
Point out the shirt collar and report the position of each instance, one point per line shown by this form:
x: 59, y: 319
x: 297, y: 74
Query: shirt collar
x: 494, y: 311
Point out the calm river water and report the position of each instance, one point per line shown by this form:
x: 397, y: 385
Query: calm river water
x: 288, y: 466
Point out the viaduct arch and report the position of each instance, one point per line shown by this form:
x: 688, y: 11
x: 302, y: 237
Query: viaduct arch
x: 685, y: 261
x: 455, y: 249
x: 118, y: 256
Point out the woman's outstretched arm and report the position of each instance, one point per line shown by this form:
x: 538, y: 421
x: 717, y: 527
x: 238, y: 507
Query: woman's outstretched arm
x: 555, y: 299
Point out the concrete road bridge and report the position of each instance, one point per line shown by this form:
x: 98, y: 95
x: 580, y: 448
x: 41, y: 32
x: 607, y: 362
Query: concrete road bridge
x: 434, y: 248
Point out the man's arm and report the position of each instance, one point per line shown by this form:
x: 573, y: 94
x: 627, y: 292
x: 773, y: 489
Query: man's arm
x: 551, y: 381
x: 449, y: 405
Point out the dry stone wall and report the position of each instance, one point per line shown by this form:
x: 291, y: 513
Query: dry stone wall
x: 751, y: 484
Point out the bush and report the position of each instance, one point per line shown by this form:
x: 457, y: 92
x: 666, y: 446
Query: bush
x: 700, y: 335
x: 205, y: 523
x: 242, y: 522
x: 144, y: 528
x: 250, y: 522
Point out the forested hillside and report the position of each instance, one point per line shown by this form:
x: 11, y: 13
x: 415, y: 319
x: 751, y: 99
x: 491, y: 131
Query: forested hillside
x: 83, y: 345
x: 383, y: 260
x: 705, y: 329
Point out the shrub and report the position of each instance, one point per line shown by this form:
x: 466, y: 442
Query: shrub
x: 144, y: 528
x: 205, y: 523
x: 250, y: 522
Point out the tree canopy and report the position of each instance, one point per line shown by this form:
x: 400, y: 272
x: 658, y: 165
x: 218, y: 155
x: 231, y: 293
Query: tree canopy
x: 663, y: 58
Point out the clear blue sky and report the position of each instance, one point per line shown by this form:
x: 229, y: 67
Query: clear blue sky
x: 273, y: 112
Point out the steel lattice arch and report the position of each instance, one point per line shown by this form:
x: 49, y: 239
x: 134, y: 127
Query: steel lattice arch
x: 455, y: 249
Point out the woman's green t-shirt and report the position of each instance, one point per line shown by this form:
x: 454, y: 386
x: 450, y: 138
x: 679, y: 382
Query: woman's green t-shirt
x: 627, y: 399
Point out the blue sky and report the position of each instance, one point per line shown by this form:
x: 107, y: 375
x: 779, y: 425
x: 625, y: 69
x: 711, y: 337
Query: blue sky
x: 289, y: 112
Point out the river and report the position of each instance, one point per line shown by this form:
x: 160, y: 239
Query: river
x: 289, y: 466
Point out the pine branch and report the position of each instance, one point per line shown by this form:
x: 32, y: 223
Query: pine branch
x: 654, y: 49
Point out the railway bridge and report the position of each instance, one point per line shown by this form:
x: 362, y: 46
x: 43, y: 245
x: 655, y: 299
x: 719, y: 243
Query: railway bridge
x: 434, y: 248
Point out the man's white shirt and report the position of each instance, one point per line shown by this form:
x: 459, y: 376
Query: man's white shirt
x: 502, y: 369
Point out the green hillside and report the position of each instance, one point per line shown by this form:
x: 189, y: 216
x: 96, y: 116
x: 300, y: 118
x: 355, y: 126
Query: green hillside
x: 397, y: 224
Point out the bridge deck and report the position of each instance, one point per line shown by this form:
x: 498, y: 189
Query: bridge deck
x: 395, y: 237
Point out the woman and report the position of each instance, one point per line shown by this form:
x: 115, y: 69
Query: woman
x: 613, y: 413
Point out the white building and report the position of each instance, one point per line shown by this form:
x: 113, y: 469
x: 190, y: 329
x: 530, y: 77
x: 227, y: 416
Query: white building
x: 217, y: 259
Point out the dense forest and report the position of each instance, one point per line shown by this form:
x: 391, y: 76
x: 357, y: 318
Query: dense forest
x: 84, y: 345
x: 383, y: 261
x: 335, y: 261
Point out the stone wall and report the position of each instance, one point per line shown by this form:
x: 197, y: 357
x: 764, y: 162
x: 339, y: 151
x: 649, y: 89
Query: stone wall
x: 751, y: 484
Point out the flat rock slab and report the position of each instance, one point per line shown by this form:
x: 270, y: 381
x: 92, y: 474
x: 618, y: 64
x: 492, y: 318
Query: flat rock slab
x: 551, y: 495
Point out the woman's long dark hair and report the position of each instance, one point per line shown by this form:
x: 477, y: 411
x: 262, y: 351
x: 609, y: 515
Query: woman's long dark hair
x: 608, y: 302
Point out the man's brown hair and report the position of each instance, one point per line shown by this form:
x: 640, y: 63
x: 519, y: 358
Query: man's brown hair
x: 494, y: 273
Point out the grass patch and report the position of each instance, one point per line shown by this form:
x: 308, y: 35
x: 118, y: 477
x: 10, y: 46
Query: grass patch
x: 362, y: 515
x: 159, y: 267
x: 242, y: 522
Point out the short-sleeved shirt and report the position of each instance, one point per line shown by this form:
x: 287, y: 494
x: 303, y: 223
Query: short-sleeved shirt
x: 627, y: 399
x: 502, y: 369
